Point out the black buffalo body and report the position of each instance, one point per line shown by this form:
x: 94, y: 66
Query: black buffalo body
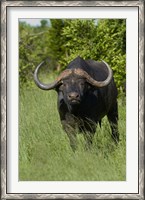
x: 86, y: 93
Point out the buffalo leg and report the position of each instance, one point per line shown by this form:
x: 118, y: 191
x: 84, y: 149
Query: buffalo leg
x: 73, y: 140
x: 71, y: 133
x: 89, y: 139
x: 89, y: 131
x: 113, y: 120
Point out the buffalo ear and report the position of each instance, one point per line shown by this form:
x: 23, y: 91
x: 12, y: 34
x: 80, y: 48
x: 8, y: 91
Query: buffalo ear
x: 59, y: 87
x: 90, y: 87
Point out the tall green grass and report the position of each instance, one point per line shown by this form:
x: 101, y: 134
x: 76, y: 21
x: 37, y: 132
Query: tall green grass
x: 44, y: 150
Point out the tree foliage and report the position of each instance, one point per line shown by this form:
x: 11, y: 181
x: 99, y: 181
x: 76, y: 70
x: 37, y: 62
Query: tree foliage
x: 65, y: 39
x: 32, y: 50
x: 111, y: 46
x: 79, y: 38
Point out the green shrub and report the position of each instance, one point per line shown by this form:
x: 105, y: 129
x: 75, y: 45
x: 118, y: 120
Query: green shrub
x: 65, y: 39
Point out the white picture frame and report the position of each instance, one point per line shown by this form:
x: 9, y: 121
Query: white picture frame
x: 18, y: 190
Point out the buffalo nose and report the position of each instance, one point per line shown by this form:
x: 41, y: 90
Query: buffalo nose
x: 73, y: 95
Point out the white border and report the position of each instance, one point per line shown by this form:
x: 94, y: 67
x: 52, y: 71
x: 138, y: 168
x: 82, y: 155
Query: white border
x: 131, y: 183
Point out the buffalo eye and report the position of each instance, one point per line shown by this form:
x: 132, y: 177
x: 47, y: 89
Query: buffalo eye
x: 82, y: 84
x: 64, y: 84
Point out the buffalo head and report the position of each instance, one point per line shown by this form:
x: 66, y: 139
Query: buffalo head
x: 70, y: 77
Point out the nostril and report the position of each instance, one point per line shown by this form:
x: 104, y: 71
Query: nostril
x: 69, y: 96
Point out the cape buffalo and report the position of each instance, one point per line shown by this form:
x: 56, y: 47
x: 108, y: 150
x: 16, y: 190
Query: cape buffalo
x: 86, y: 93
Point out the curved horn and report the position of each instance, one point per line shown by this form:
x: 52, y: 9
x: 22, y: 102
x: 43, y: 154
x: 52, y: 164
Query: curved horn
x: 52, y: 85
x: 93, y: 81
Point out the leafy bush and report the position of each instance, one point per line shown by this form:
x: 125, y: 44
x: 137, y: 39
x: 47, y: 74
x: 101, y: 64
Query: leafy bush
x: 65, y: 39
x: 111, y: 47
x: 32, y: 50
x: 79, y: 37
